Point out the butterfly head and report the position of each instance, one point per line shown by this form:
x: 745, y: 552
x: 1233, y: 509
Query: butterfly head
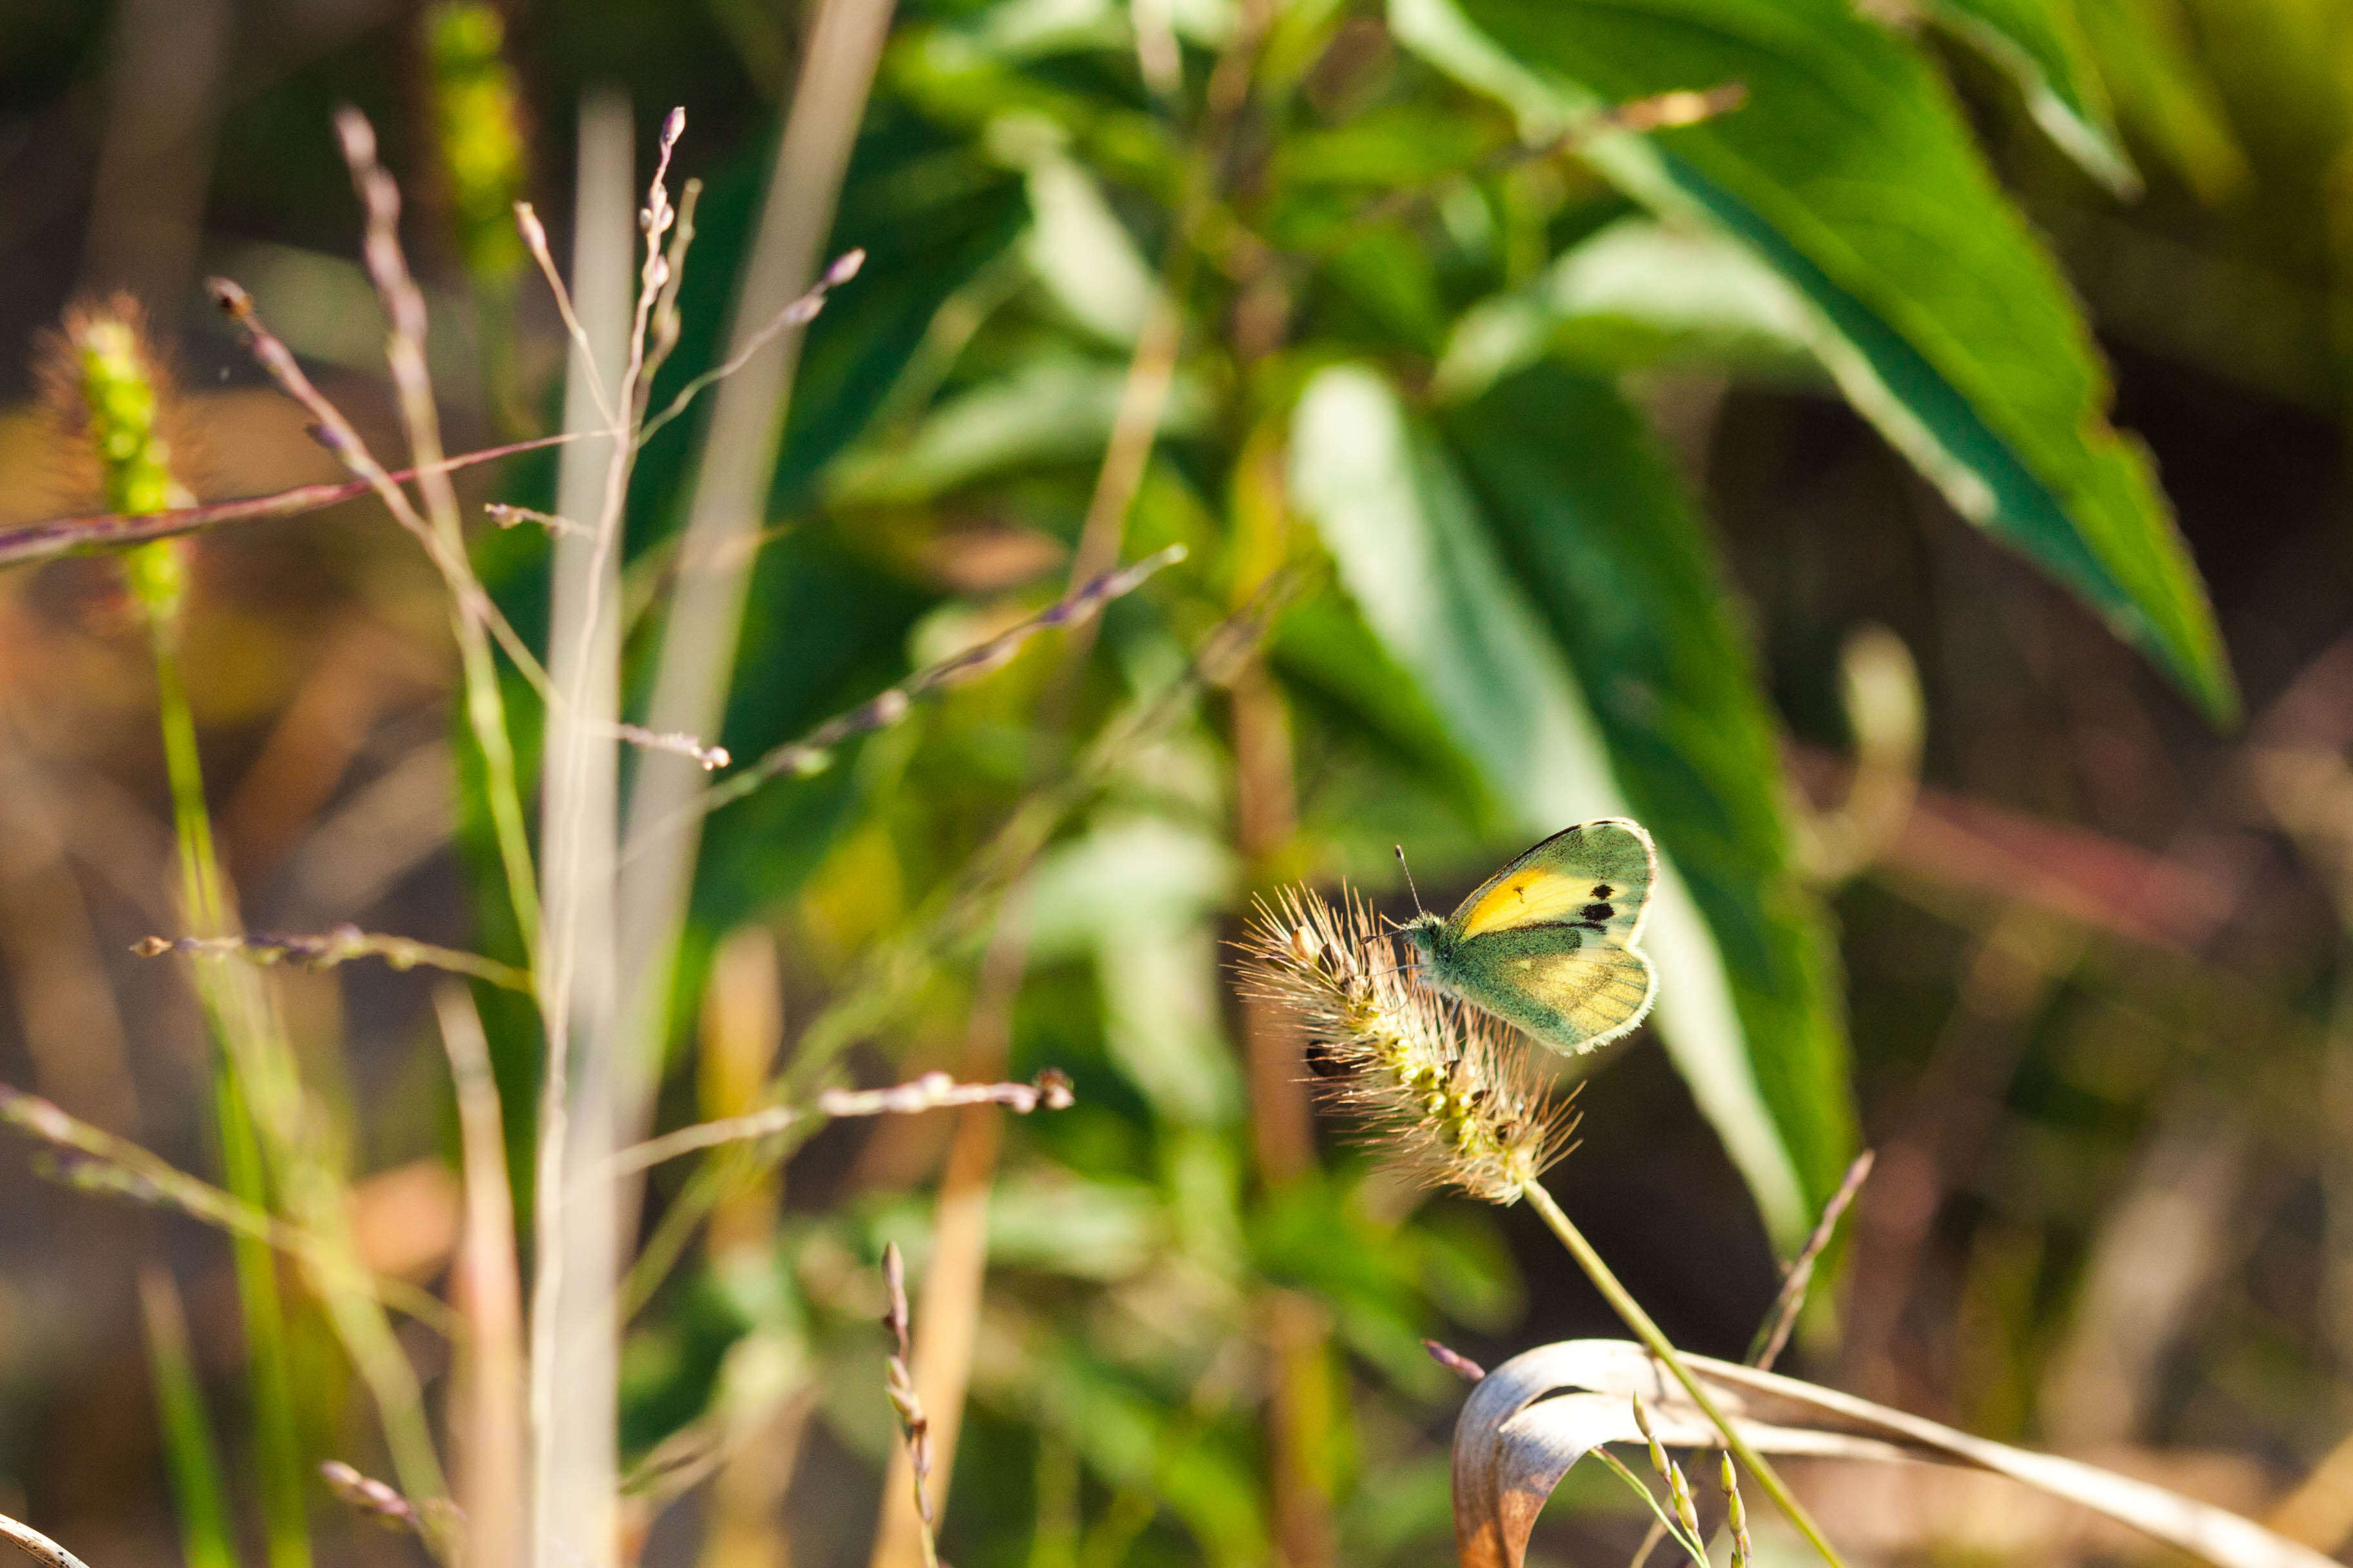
x: 1426, y: 931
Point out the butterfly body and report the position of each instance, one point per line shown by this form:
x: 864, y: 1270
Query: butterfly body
x: 1551, y: 942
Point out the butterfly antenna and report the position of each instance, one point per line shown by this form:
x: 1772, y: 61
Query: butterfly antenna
x: 1409, y: 881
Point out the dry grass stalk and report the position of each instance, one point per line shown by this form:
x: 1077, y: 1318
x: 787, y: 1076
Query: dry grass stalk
x: 335, y: 433
x: 339, y: 945
x: 1050, y: 1091
x: 36, y: 1546
x: 98, y: 1161
x: 1773, y: 1333
x: 814, y: 751
x: 489, y: 1400
x: 90, y: 533
x: 900, y: 1384
x: 574, y: 1445
x: 696, y: 658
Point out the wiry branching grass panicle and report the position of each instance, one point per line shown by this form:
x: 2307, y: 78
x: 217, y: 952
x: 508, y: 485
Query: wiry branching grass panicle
x: 1447, y: 1089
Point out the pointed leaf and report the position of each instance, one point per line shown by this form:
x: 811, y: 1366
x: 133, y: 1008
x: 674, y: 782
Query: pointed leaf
x: 1595, y: 528
x: 1849, y: 171
x: 2039, y: 43
x: 1414, y: 554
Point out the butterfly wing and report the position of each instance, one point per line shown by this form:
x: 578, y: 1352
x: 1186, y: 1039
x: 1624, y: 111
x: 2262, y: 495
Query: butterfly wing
x: 1554, y: 937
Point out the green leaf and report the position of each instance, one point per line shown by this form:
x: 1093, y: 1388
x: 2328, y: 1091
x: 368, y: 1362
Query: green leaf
x: 1056, y: 408
x: 2163, y: 92
x: 1850, y: 173
x: 1412, y: 550
x: 1637, y: 293
x: 1594, y: 527
x: 190, y: 1457
x: 2040, y: 46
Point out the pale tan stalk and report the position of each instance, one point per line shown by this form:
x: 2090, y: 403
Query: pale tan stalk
x: 574, y: 1350
x: 739, y: 451
x: 36, y: 1546
x: 490, y: 1421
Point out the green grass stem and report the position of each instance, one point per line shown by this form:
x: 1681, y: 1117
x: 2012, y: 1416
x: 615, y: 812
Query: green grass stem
x: 1622, y: 1302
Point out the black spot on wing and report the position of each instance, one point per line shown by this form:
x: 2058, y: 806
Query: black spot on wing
x: 1601, y: 891
x: 1596, y: 911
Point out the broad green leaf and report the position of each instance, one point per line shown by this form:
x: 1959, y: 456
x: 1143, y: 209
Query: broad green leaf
x: 1414, y: 553
x: 1850, y: 173
x: 1638, y: 292
x: 1594, y: 527
x: 1056, y: 408
x: 1140, y: 896
x: 2039, y: 43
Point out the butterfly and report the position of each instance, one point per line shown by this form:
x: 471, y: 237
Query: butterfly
x: 1552, y: 942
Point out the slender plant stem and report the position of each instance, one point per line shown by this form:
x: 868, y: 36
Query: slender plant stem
x: 277, y: 1442
x: 1622, y: 1301
x: 190, y: 1457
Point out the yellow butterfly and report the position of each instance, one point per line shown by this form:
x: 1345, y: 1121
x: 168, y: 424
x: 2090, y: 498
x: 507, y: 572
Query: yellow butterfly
x: 1551, y: 942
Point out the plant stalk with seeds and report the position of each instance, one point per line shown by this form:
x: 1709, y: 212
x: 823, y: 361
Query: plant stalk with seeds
x: 1450, y: 1091
x: 900, y: 1384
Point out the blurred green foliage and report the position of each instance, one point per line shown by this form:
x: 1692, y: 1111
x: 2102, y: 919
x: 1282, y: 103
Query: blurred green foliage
x: 1440, y: 318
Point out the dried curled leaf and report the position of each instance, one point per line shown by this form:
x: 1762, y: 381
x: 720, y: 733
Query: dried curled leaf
x: 1529, y: 1421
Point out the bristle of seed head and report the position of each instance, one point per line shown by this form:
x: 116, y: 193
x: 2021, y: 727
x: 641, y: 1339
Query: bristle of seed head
x: 1448, y: 1090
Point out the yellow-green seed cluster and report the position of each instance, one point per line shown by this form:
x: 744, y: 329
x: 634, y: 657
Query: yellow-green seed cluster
x: 124, y: 416
x: 478, y: 116
x: 125, y: 406
x: 1446, y: 1088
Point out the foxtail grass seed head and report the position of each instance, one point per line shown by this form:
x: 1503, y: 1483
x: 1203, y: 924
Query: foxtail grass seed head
x: 477, y: 121
x: 105, y: 372
x: 1447, y: 1089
